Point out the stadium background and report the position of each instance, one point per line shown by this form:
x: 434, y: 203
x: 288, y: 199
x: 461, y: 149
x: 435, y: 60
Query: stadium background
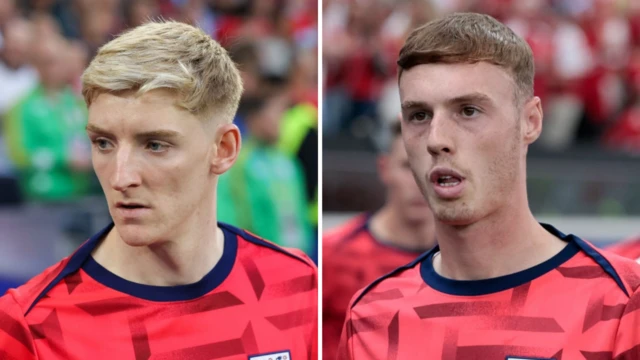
x: 584, y: 171
x: 49, y: 42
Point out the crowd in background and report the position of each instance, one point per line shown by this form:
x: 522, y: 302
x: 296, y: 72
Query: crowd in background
x: 587, y: 55
x: 45, y: 155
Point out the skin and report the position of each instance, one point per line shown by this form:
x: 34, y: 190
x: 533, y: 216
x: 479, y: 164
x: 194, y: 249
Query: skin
x: 147, y: 150
x: 406, y: 219
x: 464, y: 117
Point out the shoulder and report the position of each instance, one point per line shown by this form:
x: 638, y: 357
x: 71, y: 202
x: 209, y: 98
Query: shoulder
x: 344, y: 231
x: 626, y: 269
x: 621, y: 275
x: 27, y: 295
x: 394, y: 284
x: 629, y: 248
x: 257, y: 249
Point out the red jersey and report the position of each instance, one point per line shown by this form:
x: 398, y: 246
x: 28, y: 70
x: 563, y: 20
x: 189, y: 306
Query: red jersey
x: 628, y: 248
x: 258, y: 302
x: 580, y: 304
x: 343, y: 276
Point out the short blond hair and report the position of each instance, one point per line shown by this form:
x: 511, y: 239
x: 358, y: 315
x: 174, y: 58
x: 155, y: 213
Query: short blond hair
x: 168, y: 55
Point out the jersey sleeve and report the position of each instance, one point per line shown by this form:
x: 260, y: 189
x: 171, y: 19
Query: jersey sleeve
x: 16, y: 342
x: 345, y: 347
x: 627, y: 344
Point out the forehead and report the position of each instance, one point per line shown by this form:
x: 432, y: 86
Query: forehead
x: 437, y: 83
x: 153, y: 107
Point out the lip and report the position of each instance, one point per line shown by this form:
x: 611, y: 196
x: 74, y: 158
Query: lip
x: 446, y: 192
x: 128, y: 213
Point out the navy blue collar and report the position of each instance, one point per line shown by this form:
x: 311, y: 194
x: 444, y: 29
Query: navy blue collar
x: 210, y: 281
x: 493, y: 285
x: 82, y: 259
x: 483, y: 287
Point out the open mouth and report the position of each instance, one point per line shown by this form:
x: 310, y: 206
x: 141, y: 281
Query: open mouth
x: 448, y: 180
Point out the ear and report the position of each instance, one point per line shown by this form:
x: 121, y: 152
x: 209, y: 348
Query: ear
x: 227, y: 146
x: 532, y: 120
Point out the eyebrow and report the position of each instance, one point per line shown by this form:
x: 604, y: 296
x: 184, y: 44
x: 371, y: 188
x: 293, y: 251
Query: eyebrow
x: 475, y: 97
x: 147, y: 134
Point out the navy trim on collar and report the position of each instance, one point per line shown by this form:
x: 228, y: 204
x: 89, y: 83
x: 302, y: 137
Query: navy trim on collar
x: 418, y: 260
x: 75, y: 262
x: 493, y: 285
x: 259, y: 241
x: 210, y: 281
x: 483, y: 287
x: 82, y: 256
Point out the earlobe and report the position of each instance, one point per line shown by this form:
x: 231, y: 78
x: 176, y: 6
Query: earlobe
x: 228, y: 144
x: 533, y: 120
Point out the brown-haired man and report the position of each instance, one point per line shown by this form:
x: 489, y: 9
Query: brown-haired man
x: 499, y: 285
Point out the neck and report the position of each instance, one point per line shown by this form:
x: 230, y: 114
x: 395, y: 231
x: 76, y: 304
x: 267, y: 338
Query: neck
x: 184, y: 258
x: 505, y: 242
x: 389, y: 227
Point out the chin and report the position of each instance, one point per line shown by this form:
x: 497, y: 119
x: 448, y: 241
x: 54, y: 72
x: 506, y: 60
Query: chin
x: 454, y: 214
x: 137, y: 234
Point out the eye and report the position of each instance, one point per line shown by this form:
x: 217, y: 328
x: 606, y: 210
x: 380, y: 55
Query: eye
x: 470, y: 111
x: 156, y: 146
x: 419, y: 116
x: 102, y: 144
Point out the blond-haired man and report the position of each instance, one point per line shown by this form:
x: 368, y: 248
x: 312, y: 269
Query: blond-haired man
x: 499, y: 285
x: 164, y: 280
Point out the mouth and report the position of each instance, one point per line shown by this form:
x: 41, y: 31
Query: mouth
x: 130, y: 206
x: 445, y: 177
x: 447, y: 183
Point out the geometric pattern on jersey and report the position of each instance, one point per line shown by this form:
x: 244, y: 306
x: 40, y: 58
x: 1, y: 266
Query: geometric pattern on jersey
x: 258, y: 299
x: 583, y: 303
x: 352, y: 259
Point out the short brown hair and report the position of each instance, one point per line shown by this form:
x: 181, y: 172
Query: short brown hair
x: 169, y: 55
x: 470, y: 38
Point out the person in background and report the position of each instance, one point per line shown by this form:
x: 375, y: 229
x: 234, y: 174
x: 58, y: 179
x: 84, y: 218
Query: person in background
x: 164, y: 279
x: 393, y: 236
x: 499, y: 284
x: 45, y: 131
x: 299, y: 139
x: 265, y: 191
x: 629, y: 248
x: 17, y: 76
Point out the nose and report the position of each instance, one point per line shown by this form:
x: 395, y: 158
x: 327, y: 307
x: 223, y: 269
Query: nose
x: 125, y: 174
x: 439, y: 139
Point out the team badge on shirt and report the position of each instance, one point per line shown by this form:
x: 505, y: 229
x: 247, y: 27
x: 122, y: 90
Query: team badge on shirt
x: 280, y: 355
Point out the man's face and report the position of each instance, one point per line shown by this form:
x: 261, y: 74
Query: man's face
x: 153, y: 162
x: 402, y: 191
x: 269, y: 118
x: 462, y: 134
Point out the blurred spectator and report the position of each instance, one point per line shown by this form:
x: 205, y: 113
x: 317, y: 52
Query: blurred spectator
x: 584, y: 50
x: 17, y: 76
x: 299, y: 139
x: 45, y: 131
x: 264, y: 192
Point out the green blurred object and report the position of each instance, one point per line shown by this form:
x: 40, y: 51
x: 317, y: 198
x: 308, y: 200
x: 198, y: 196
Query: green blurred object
x: 299, y: 124
x: 264, y: 193
x: 45, y: 133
